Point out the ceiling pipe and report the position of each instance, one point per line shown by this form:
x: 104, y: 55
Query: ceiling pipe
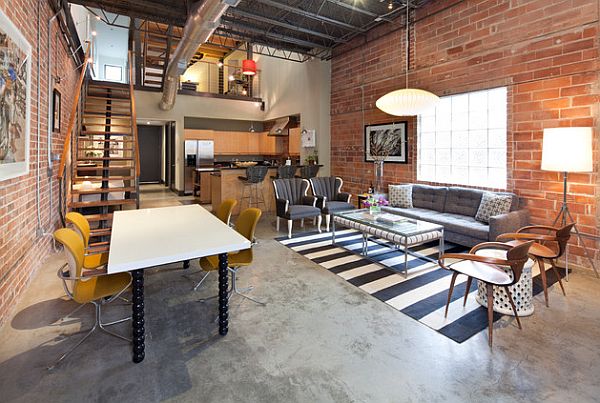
x: 200, y: 25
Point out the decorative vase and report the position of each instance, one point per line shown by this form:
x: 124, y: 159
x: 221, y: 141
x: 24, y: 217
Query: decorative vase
x: 374, y: 209
x: 378, y: 180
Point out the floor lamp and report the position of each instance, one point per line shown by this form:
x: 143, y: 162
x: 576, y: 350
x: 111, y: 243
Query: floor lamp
x: 568, y: 149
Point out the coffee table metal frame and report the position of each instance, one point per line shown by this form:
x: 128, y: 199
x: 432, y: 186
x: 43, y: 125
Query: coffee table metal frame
x: 391, y: 232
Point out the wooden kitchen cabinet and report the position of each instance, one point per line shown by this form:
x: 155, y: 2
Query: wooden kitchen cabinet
x: 254, y: 143
x: 294, y: 141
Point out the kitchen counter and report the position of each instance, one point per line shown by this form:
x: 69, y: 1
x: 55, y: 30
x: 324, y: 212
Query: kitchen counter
x: 225, y: 184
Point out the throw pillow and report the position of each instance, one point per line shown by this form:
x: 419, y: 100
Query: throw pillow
x: 400, y: 196
x: 491, y: 205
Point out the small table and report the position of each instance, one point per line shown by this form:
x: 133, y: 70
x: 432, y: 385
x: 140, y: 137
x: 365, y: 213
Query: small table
x: 521, y: 291
x: 405, y: 233
x: 152, y: 237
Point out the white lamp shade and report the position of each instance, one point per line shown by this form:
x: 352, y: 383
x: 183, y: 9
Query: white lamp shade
x: 407, y: 102
x: 567, y: 149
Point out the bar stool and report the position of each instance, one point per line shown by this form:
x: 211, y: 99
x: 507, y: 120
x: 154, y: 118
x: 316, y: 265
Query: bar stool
x: 309, y: 171
x: 251, y: 182
x: 285, y: 172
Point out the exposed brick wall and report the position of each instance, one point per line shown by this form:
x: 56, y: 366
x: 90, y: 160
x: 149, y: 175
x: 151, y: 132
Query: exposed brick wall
x: 22, y: 252
x: 544, y: 51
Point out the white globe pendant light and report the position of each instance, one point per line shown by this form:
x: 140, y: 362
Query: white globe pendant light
x: 407, y: 101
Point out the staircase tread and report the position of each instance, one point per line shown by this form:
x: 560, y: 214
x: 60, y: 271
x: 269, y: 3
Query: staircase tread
x: 93, y: 178
x: 103, y: 168
x: 108, y: 159
x: 102, y: 114
x: 98, y: 217
x: 105, y: 140
x: 103, y: 190
x: 88, y: 132
x: 100, y: 203
x: 99, y: 98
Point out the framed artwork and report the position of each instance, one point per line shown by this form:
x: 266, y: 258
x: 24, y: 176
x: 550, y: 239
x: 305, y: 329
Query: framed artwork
x: 56, y: 111
x: 15, y: 97
x: 387, y: 139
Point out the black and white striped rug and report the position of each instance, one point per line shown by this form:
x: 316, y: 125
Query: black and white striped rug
x: 422, y: 295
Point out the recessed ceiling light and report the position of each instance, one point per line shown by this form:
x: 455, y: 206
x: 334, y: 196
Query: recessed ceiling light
x: 93, y: 33
x: 147, y: 123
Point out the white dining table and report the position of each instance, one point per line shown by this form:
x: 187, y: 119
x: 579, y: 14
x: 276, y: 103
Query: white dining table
x: 146, y: 238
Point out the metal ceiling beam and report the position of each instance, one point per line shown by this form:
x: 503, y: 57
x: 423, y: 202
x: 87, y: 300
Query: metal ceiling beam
x: 353, y: 8
x: 140, y: 9
x: 308, y: 14
x: 280, y: 37
x: 266, y: 20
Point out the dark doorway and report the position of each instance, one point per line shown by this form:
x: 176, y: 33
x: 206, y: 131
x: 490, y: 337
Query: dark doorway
x: 150, y: 139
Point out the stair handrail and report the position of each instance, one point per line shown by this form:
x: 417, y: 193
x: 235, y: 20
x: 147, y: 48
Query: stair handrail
x: 134, y: 117
x: 73, y: 116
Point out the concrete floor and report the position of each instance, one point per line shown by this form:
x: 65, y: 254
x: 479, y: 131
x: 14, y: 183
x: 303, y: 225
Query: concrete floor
x: 319, y: 339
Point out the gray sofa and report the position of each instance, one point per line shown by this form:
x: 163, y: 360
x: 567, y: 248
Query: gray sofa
x: 455, y: 208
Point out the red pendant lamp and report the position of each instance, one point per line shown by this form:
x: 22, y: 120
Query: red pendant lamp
x: 248, y: 67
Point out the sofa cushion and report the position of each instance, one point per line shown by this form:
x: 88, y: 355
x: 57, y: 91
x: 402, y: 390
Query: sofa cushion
x: 493, y: 204
x: 400, y: 195
x: 463, y: 201
x: 429, y: 197
x: 457, y: 223
x: 514, y: 205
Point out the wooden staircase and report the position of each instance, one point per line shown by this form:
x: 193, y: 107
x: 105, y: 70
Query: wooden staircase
x: 103, y: 176
x: 159, y: 41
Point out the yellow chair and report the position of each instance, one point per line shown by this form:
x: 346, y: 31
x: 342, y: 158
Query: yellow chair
x: 223, y: 213
x: 91, y: 286
x: 82, y: 226
x: 245, y: 225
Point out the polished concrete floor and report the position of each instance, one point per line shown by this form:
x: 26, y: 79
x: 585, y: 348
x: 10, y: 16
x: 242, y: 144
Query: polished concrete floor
x: 318, y: 339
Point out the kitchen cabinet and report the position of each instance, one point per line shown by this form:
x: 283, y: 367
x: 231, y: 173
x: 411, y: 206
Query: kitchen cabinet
x: 294, y: 140
x: 242, y: 143
x: 254, y: 143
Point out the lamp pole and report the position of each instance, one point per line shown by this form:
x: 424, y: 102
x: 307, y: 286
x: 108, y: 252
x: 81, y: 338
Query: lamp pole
x: 562, y: 215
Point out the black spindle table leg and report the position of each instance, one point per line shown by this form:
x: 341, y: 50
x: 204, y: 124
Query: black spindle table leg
x: 137, y: 320
x: 223, y: 297
x: 186, y: 264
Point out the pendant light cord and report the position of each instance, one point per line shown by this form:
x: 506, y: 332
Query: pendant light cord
x: 407, y: 45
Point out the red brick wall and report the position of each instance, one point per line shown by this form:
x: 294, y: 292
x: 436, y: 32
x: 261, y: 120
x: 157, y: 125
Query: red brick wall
x: 544, y: 51
x: 22, y: 252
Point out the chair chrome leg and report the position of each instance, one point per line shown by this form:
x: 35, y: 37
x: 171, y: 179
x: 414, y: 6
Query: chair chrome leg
x: 201, y: 281
x: 65, y: 355
x: 102, y: 325
x: 289, y: 222
x: 234, y: 288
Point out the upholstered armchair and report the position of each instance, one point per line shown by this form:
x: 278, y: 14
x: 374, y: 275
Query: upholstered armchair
x: 330, y: 198
x: 293, y: 203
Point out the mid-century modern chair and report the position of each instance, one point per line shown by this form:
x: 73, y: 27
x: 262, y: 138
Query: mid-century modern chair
x: 286, y: 172
x: 548, y: 246
x: 245, y: 225
x: 91, y: 286
x: 330, y: 198
x: 251, y: 186
x: 488, y: 270
x: 82, y: 225
x: 223, y: 213
x: 293, y: 203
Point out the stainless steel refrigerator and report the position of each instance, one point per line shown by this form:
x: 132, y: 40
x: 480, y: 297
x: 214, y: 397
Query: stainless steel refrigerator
x: 197, y: 154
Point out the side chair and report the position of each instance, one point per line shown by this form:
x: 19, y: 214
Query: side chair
x: 293, y: 203
x: 489, y: 271
x: 550, y: 245
x: 90, y: 286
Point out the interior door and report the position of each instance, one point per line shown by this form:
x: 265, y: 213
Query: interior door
x: 150, y: 142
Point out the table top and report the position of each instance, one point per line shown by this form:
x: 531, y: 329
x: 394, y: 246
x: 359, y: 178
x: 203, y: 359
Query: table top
x: 405, y: 227
x: 150, y: 237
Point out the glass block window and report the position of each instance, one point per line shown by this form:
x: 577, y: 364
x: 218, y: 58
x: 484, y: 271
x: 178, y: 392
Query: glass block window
x: 463, y: 141
x: 113, y: 73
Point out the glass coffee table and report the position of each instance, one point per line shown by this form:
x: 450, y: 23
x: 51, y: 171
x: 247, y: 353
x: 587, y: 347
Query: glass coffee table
x: 403, y: 232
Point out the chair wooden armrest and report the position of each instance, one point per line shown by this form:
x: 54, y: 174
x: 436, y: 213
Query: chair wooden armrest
x: 472, y: 257
x: 538, y: 227
x: 66, y: 275
x: 491, y: 245
x: 526, y: 236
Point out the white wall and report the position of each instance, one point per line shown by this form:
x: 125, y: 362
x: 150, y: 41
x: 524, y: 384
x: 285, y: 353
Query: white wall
x: 288, y: 88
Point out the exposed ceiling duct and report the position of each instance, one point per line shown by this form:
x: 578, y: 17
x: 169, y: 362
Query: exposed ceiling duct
x: 200, y: 25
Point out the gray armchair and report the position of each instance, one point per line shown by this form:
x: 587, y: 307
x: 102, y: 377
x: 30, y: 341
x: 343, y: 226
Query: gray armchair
x: 330, y: 198
x: 293, y: 203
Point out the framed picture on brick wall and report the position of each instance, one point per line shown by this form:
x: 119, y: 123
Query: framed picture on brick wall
x: 56, y: 110
x: 15, y: 98
x: 387, y: 140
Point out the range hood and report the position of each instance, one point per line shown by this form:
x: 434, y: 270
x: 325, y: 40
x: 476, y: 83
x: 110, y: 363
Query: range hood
x: 280, y: 127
